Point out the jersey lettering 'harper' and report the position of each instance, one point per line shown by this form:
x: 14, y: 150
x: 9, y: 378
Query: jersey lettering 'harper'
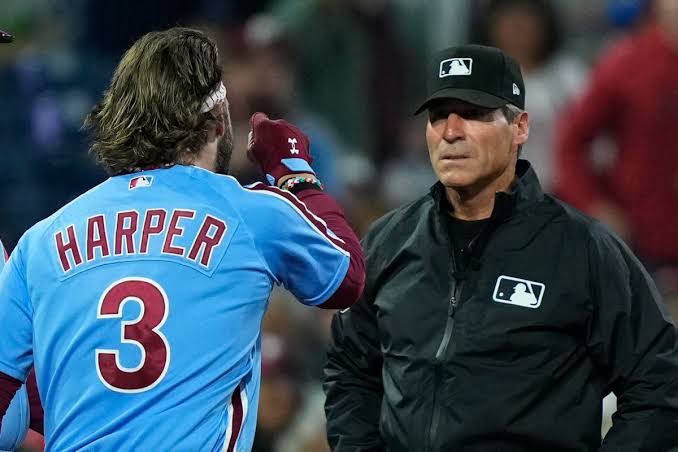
x: 130, y: 233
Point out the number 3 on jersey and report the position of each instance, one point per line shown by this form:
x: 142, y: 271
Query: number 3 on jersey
x: 144, y: 332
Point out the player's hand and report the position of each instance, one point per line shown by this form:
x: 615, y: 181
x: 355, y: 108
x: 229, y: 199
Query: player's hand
x: 278, y: 148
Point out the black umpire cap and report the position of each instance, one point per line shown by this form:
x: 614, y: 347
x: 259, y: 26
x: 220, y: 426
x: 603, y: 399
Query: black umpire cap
x: 5, y: 37
x: 480, y: 75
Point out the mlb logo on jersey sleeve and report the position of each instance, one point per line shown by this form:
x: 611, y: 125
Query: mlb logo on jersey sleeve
x: 455, y: 66
x: 140, y: 182
x: 518, y: 291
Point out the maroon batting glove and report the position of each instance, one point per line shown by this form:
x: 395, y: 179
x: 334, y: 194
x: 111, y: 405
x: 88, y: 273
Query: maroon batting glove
x: 278, y: 148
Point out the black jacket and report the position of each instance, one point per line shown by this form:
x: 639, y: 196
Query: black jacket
x: 437, y: 359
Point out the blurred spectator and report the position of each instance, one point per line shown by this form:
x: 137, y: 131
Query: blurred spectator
x: 410, y: 175
x: 259, y: 72
x: 353, y: 68
x: 276, y: 92
x: 532, y: 32
x: 626, y: 13
x: 307, y: 432
x: 633, y: 97
x: 46, y: 88
x: 111, y: 27
x: 291, y: 417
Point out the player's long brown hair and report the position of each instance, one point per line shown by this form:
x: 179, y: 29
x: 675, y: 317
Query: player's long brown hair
x: 150, y: 114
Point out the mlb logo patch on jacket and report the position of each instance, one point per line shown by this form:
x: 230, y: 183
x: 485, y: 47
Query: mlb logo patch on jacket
x: 140, y: 182
x: 518, y: 291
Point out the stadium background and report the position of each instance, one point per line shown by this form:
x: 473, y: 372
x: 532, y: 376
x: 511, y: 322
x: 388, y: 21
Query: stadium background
x: 349, y: 72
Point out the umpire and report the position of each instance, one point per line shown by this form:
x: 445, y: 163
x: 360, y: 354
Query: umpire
x: 496, y: 317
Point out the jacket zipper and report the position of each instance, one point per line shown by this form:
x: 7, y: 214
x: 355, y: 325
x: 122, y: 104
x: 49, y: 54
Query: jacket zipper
x: 455, y: 293
x: 440, y: 353
x: 449, y: 327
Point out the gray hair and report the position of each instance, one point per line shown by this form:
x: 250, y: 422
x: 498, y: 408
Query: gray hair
x: 511, y: 112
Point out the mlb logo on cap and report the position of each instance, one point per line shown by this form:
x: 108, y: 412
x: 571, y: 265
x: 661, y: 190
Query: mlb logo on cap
x: 479, y: 75
x: 455, y: 66
x: 140, y: 182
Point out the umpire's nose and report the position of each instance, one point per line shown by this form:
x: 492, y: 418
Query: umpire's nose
x: 454, y: 128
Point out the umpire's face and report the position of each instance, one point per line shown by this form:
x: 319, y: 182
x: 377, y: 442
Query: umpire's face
x: 473, y: 148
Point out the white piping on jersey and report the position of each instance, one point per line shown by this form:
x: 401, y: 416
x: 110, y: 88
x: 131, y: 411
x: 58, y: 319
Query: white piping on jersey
x: 229, y: 430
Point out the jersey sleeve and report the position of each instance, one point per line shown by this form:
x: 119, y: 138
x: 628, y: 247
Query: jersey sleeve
x: 15, y: 422
x: 16, y: 346
x: 302, y: 253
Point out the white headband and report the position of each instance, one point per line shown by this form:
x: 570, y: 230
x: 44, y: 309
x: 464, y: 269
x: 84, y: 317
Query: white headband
x: 215, y: 97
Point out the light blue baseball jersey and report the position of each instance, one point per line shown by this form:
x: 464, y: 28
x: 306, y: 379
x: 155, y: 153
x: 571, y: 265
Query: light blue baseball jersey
x: 140, y: 304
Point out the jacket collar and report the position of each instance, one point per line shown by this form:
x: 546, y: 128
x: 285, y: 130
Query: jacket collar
x: 525, y: 191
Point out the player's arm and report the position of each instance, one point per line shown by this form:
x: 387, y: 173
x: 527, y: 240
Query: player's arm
x: 35, y: 405
x: 635, y: 345
x: 23, y: 411
x: 353, y: 282
x: 14, y: 413
x: 16, y: 357
x: 320, y: 247
x: 8, y: 385
x: 17, y: 410
x: 8, y: 388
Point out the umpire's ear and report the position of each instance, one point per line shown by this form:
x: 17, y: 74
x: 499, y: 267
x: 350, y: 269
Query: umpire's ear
x: 521, y: 125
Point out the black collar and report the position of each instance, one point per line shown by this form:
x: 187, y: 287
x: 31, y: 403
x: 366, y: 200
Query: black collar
x: 526, y: 191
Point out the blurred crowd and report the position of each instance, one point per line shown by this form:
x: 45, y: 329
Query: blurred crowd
x: 601, y: 79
